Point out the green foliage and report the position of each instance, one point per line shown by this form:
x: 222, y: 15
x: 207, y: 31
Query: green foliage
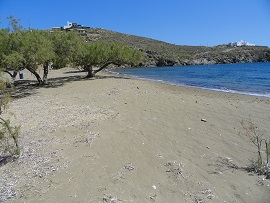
x: 159, y: 48
x: 13, y: 61
x: 20, y: 48
x: 4, y: 96
x: 8, y: 134
x: 65, y: 46
x: 119, y: 54
x: 161, y: 62
x: 35, y: 47
x: 179, y: 53
x: 9, y: 51
x: 10, y: 58
x: 99, y: 55
x: 9, y: 138
x: 10, y: 54
x: 25, y: 49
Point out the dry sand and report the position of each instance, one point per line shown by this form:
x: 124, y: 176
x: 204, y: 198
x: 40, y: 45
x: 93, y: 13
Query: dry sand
x: 116, y: 139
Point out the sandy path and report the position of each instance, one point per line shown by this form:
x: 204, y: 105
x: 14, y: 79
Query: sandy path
x: 115, y: 139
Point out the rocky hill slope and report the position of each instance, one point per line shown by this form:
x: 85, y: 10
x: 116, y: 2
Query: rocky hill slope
x: 160, y: 53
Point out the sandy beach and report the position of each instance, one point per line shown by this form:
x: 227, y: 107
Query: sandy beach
x: 115, y: 139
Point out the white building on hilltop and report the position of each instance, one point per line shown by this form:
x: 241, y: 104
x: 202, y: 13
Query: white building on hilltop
x: 241, y: 44
x: 72, y: 26
x: 69, y: 25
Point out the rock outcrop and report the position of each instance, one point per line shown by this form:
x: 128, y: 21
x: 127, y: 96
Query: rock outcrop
x: 216, y: 56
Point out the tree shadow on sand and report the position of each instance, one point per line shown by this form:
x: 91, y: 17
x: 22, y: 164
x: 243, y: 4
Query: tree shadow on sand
x: 224, y: 164
x: 6, y: 159
x: 24, y: 88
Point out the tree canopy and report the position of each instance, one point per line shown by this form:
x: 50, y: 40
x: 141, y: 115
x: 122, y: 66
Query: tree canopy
x: 94, y: 57
x: 65, y: 45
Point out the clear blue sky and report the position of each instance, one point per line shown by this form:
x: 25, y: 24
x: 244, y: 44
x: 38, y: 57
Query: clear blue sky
x: 182, y: 22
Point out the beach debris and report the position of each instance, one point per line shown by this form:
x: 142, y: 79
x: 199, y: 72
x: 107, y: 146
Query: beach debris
x: 262, y: 181
x: 174, y: 163
x: 121, y: 174
x: 174, y: 169
x: 154, y: 187
x: 86, y: 138
x: 203, y: 120
x: 129, y: 167
x: 228, y: 159
x: 198, y: 200
x: 69, y: 180
x: 204, y: 194
x: 208, y: 193
x: 109, y: 199
x: 153, y: 198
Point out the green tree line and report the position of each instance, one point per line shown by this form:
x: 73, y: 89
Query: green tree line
x: 29, y: 49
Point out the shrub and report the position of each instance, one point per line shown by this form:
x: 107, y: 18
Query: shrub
x: 8, y: 134
x: 9, y: 138
x: 260, y: 166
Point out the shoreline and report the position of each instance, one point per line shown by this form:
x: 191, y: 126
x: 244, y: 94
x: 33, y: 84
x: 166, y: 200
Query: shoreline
x: 234, y: 92
x: 219, y: 88
x: 120, y: 139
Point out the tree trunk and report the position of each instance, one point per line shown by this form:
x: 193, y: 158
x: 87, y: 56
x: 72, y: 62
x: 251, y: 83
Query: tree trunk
x: 45, y: 72
x: 13, y: 76
x: 15, y: 73
x: 35, y: 74
x: 90, y: 72
x: 102, y: 67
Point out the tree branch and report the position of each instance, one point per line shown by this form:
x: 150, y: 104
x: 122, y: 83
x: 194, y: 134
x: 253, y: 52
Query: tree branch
x: 105, y: 65
x: 6, y: 71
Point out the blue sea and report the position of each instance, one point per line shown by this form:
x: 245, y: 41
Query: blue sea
x: 241, y: 78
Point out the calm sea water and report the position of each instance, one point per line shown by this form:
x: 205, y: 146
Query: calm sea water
x: 244, y: 78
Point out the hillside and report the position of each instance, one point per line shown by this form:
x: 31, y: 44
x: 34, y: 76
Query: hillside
x: 164, y: 54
